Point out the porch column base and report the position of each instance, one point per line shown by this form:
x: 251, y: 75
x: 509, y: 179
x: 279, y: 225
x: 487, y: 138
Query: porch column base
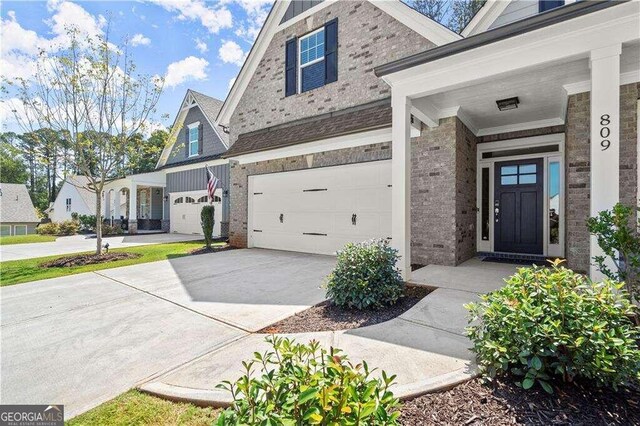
x: 133, y: 226
x: 166, y: 225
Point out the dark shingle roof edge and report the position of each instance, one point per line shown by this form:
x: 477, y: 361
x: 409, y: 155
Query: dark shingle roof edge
x: 541, y: 20
x: 190, y: 161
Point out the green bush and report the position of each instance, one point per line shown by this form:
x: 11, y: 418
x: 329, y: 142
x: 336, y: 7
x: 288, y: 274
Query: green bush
x: 550, y: 324
x: 67, y: 227
x: 48, y: 229
x: 305, y: 384
x: 111, y: 230
x: 365, y: 276
x: 87, y: 222
x: 207, y: 222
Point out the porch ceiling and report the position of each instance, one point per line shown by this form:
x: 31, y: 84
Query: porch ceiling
x: 542, y: 92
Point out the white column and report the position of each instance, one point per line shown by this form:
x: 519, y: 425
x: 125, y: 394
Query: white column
x: 401, y: 180
x: 107, y: 204
x: 133, y: 200
x: 116, y: 208
x: 605, y: 135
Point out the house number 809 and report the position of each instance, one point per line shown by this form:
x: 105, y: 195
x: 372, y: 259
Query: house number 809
x: 605, y: 120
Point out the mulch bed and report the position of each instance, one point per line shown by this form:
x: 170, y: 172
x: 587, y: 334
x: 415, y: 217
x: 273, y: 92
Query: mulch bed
x: 328, y: 317
x: 203, y: 250
x: 88, y: 259
x: 503, y: 403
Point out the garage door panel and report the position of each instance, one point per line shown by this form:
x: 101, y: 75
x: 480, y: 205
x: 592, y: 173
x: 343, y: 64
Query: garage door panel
x: 317, y: 220
x: 185, y: 217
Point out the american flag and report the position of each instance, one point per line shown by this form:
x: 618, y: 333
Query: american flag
x: 212, y: 183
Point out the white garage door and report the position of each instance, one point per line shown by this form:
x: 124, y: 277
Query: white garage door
x: 320, y: 210
x: 185, y: 212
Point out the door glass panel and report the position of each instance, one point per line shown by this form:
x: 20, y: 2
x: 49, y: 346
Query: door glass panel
x: 527, y: 179
x: 485, y: 204
x: 508, y: 170
x: 509, y: 180
x: 527, y: 168
x: 554, y: 202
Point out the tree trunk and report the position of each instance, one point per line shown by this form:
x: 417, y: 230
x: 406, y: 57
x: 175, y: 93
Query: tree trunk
x: 98, y: 223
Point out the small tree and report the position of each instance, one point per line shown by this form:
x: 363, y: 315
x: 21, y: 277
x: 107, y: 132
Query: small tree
x: 462, y: 11
x: 90, y: 92
x: 207, y: 222
x: 617, y: 236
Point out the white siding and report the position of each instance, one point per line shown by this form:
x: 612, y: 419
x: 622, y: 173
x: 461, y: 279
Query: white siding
x: 78, y: 205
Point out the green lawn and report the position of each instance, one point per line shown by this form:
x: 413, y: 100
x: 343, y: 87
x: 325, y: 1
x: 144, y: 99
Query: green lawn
x: 137, y: 408
x: 21, y: 271
x: 23, y: 239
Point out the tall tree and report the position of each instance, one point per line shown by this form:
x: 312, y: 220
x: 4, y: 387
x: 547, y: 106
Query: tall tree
x: 89, y: 90
x: 146, y: 153
x: 462, y: 11
x: 434, y: 9
x: 12, y: 166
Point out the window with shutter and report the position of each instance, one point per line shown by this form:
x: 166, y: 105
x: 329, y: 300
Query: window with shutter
x: 194, y: 139
x: 290, y: 67
x: 317, y: 57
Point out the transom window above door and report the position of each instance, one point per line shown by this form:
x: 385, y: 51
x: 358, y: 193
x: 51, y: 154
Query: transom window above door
x: 522, y: 174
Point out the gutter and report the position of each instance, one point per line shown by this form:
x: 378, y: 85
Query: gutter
x: 536, y: 22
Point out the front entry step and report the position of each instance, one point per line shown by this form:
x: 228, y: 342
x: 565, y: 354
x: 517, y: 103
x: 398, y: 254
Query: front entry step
x: 516, y: 258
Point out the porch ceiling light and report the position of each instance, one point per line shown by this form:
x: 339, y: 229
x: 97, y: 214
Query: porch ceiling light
x: 507, y: 104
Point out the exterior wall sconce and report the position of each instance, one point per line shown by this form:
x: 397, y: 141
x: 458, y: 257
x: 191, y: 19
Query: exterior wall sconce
x: 165, y: 198
x: 507, y: 104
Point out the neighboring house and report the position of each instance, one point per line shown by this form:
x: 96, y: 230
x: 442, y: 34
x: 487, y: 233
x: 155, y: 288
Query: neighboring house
x: 171, y: 197
x: 17, y: 214
x: 73, y: 197
x: 358, y: 119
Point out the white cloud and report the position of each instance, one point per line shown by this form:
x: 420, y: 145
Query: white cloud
x: 230, y: 52
x: 140, y: 40
x: 70, y: 15
x: 257, y: 11
x: 213, y: 18
x: 190, y: 68
x: 201, y: 45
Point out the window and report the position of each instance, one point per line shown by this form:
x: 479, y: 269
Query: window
x: 5, y: 230
x: 193, y: 141
x: 68, y: 204
x: 189, y: 200
x: 312, y: 60
x: 179, y: 200
x: 20, y: 230
x: 523, y: 174
x: 203, y: 199
x: 485, y: 204
x: 544, y: 5
x: 554, y: 202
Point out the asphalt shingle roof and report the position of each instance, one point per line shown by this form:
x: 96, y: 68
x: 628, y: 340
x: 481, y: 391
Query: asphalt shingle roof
x: 211, y: 107
x: 81, y: 183
x: 15, y: 204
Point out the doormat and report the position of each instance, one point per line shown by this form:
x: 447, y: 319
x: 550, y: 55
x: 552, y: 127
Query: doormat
x: 523, y: 262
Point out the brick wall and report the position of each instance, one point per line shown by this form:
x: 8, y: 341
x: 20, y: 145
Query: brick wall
x: 466, y: 167
x: 577, y: 168
x: 367, y: 37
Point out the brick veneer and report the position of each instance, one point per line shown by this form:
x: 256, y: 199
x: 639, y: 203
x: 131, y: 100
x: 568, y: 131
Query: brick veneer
x: 367, y: 37
x: 578, y: 168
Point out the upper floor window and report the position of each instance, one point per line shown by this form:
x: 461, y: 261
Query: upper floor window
x: 193, y: 141
x: 544, y: 5
x: 68, y: 204
x: 312, y: 60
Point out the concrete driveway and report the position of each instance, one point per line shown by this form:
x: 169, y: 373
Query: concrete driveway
x: 80, y: 243
x: 84, y: 339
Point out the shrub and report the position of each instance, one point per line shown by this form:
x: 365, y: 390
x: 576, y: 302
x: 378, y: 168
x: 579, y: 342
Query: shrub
x: 365, y: 276
x: 207, y: 222
x: 552, y: 323
x: 87, y: 222
x: 618, y: 238
x: 306, y: 384
x: 111, y: 230
x: 48, y: 229
x: 75, y: 217
x: 67, y: 227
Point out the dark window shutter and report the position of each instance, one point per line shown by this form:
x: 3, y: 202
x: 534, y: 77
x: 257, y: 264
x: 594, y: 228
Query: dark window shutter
x: 200, y: 138
x: 186, y: 142
x: 291, y: 65
x: 331, y: 51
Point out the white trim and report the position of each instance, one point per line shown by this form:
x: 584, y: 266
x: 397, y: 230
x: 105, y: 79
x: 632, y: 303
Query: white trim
x: 520, y: 126
x: 486, y: 16
x: 557, y: 138
x: 331, y: 144
x: 196, y: 126
x: 192, y: 125
x: 216, y: 162
x: 413, y: 19
x: 305, y: 14
x: 585, y: 86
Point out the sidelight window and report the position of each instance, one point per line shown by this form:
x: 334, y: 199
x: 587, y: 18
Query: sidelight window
x: 554, y: 202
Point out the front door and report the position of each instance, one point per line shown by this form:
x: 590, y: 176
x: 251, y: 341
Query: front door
x: 518, y: 206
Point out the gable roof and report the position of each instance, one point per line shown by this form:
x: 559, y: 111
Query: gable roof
x: 210, y: 108
x: 421, y: 24
x: 80, y: 183
x: 15, y: 204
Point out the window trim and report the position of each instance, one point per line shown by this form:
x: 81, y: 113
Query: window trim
x: 196, y: 126
x: 299, y: 55
x: 67, y: 204
x: 15, y: 229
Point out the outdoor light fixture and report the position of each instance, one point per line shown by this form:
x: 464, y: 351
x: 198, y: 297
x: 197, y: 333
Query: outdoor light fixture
x: 507, y: 104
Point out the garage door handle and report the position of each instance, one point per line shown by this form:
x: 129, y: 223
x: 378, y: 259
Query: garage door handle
x: 354, y: 219
x: 281, y: 218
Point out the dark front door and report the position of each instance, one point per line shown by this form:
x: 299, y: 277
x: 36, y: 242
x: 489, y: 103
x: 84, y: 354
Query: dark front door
x: 518, y: 206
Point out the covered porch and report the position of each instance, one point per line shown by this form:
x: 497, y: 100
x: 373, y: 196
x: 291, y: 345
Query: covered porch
x: 528, y: 130
x: 136, y: 203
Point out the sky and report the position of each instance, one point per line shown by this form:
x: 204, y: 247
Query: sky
x: 194, y: 44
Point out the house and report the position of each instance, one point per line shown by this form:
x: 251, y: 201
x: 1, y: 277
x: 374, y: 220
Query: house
x: 172, y: 196
x: 17, y: 214
x: 73, y: 197
x: 361, y: 119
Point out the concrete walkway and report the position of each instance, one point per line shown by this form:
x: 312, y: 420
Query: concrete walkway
x: 80, y: 243
x: 426, y: 346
